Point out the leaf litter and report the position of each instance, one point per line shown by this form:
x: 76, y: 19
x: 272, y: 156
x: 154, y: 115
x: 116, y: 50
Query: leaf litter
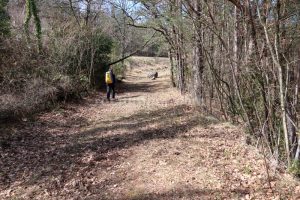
x: 150, y: 143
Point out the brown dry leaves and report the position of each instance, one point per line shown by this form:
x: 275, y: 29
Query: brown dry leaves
x: 149, y: 144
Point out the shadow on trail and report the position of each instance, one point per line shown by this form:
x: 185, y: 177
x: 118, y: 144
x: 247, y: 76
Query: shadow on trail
x: 141, y: 87
x: 181, y: 191
x: 188, y: 193
x: 164, y: 118
x: 36, y: 157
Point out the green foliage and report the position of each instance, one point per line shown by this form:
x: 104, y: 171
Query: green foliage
x: 103, y: 47
x: 37, y: 23
x: 4, y: 19
x: 120, y: 70
x: 295, y: 168
x: 247, y: 170
x: 27, y: 17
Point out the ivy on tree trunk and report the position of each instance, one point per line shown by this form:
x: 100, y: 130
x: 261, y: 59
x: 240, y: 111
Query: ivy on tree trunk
x: 31, y: 9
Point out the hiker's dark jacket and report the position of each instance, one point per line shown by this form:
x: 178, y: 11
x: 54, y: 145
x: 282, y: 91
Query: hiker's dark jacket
x: 113, y: 77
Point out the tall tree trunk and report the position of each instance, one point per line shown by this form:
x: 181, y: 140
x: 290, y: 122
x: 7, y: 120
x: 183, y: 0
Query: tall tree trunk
x: 172, y: 75
x: 178, y: 37
x: 198, y: 65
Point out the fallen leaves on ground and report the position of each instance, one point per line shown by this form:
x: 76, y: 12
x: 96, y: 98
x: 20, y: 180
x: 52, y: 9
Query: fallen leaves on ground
x: 150, y: 143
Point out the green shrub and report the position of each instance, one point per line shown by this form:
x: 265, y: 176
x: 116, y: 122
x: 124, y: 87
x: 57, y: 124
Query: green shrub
x: 295, y: 168
x: 4, y: 19
x: 120, y: 70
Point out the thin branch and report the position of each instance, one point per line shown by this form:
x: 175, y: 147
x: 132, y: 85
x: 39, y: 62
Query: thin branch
x: 131, y: 54
x: 74, y: 13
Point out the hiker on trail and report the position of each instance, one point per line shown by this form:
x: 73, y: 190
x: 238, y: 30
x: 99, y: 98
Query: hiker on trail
x: 110, y: 80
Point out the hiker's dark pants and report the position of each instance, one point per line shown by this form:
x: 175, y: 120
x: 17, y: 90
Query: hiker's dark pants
x: 110, y: 89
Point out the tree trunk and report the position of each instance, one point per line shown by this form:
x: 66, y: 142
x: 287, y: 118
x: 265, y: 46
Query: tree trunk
x: 198, y: 65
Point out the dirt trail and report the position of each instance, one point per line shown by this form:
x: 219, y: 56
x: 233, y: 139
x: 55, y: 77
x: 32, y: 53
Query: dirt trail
x: 148, y: 144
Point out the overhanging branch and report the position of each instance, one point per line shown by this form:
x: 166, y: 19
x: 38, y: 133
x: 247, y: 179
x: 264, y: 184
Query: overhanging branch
x: 131, y: 54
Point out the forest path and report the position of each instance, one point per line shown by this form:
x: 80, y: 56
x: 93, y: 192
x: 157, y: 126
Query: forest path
x: 148, y: 144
